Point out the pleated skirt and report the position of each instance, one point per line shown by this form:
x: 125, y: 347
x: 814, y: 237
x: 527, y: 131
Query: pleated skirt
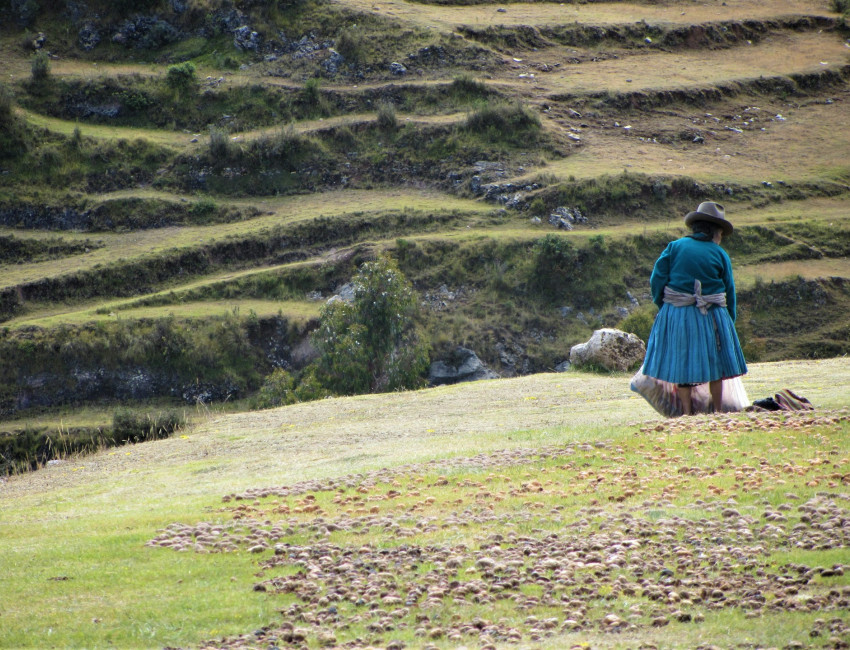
x: 688, y: 347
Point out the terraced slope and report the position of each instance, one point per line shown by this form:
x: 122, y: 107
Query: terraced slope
x: 445, y: 133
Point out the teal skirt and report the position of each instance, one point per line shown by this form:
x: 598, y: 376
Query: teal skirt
x: 688, y: 347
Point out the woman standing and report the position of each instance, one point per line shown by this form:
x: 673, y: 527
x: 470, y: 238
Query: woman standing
x: 693, y: 340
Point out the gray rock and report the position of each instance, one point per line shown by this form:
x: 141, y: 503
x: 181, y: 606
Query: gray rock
x: 462, y: 365
x: 145, y: 32
x: 611, y: 349
x: 247, y: 40
x: 488, y: 166
x: 560, y: 222
x: 307, y: 46
x: 204, y: 393
x: 431, y: 55
x: 563, y: 366
x: 512, y: 359
x: 568, y: 215
x: 227, y: 20
x: 344, y: 293
x: 333, y: 63
x: 89, y: 36
x: 85, y: 109
x: 398, y: 68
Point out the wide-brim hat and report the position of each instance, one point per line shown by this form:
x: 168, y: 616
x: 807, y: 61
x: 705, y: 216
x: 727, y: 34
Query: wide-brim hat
x: 713, y: 213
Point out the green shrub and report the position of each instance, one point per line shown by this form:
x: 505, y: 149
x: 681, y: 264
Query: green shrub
x: 48, y: 157
x: 76, y: 140
x: 6, y: 103
x: 137, y: 100
x: 554, y: 263
x: 39, y: 67
x: 386, y: 117
x: 312, y: 99
x: 537, y: 207
x: 221, y: 147
x: 350, y: 44
x: 204, y: 207
x: 513, y: 123
x: 282, y: 149
x: 278, y: 389
x: 181, y: 78
x: 640, y: 321
x: 841, y: 6
x: 466, y: 87
x: 372, y: 344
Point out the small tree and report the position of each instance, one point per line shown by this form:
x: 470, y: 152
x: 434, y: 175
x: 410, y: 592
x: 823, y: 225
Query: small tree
x: 351, y: 44
x: 40, y: 67
x: 372, y: 344
x: 221, y: 148
x: 386, y: 117
x: 181, y: 78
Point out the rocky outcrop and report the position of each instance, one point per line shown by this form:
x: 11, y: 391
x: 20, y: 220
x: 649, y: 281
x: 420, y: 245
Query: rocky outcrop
x: 611, y: 349
x: 462, y: 365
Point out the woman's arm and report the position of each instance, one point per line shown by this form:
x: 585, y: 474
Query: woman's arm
x: 661, y: 275
x: 729, y: 280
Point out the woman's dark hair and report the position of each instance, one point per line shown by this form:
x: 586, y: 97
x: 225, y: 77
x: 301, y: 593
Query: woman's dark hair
x: 706, y: 228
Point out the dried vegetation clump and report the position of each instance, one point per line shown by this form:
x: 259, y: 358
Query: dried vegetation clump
x: 686, y: 519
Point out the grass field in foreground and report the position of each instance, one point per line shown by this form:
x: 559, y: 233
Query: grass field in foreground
x: 713, y: 503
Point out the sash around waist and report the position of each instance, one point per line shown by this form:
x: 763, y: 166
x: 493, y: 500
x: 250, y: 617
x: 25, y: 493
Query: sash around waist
x: 681, y: 299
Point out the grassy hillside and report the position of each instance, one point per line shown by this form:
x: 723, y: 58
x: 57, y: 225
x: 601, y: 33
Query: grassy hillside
x: 177, y: 173
x: 544, y: 511
x: 184, y: 184
x: 195, y: 161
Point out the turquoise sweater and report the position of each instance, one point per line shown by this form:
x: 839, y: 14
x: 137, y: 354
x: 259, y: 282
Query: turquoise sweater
x: 688, y: 259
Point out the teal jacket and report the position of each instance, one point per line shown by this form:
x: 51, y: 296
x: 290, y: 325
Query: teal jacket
x: 688, y: 259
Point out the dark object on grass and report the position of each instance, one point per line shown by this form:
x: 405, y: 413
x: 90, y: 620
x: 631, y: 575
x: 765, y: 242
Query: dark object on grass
x: 784, y: 400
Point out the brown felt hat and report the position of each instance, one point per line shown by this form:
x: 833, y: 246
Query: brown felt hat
x: 711, y: 212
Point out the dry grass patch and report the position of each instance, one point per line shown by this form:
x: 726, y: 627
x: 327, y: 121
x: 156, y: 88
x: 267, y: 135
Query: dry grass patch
x: 292, y: 310
x: 545, y: 13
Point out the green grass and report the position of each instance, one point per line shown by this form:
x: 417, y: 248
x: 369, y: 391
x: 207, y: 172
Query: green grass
x: 88, y: 519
